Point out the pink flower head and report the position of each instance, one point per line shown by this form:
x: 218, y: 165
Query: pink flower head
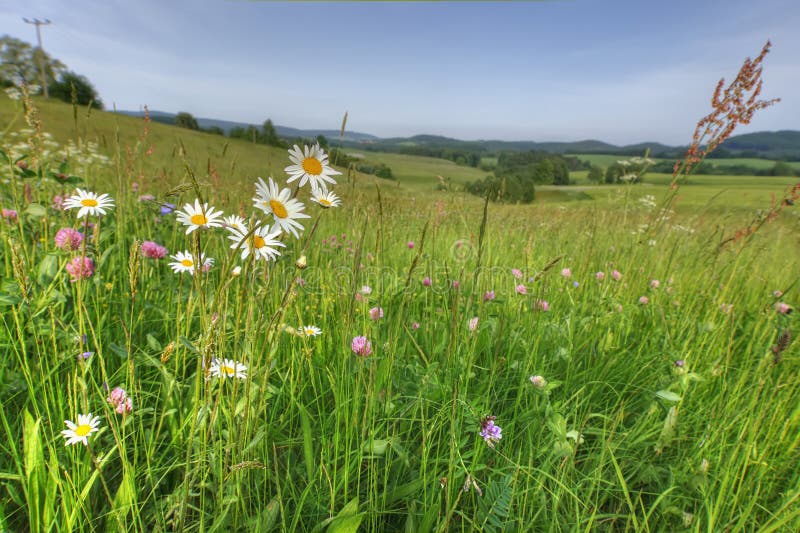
x: 80, y: 268
x: 415, y: 325
x: 521, y: 289
x: 472, y: 323
x: 152, y: 250
x: 517, y: 273
x: 654, y: 283
x: 777, y: 294
x: 9, y: 215
x: 376, y: 313
x: 538, y: 381
x: 426, y: 281
x: 120, y: 400
x: 644, y: 300
x: 147, y: 198
x: 68, y: 239
x: 488, y: 295
x: 783, y: 308
x: 361, y: 346
x: 616, y: 274
x: 542, y: 305
x: 410, y: 245
x: 58, y: 202
x: 600, y: 276
x: 566, y: 272
x: 456, y: 283
x: 135, y: 186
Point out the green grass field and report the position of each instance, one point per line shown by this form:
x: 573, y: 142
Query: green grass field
x: 421, y: 173
x: 605, y: 160
x: 640, y: 362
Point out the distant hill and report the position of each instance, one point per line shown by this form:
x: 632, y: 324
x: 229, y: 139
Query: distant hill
x: 784, y: 144
x: 282, y: 131
x: 774, y: 145
x: 778, y: 145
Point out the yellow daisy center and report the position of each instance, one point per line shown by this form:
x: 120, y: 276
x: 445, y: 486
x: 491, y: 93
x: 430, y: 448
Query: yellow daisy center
x: 324, y: 202
x: 278, y: 209
x: 198, y: 219
x: 187, y: 262
x: 89, y: 202
x: 83, y: 430
x: 310, y: 331
x: 312, y: 166
x: 258, y: 242
x: 227, y: 370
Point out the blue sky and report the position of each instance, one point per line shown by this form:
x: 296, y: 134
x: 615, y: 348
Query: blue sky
x: 621, y: 71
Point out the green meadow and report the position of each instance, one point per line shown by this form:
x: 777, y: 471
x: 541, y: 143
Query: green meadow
x: 610, y: 358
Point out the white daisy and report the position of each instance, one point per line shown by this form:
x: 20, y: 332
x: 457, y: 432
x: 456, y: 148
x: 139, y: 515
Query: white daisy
x: 227, y: 368
x: 80, y: 432
x: 184, y: 262
x: 234, y: 222
x: 310, y: 165
x: 325, y: 198
x: 197, y: 216
x: 310, y: 331
x: 279, y: 203
x: 89, y: 203
x: 262, y: 243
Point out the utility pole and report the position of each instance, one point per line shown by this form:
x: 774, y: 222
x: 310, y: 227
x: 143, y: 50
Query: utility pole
x: 38, y: 24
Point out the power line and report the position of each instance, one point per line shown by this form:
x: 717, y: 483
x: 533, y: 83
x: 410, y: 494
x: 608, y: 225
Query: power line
x: 39, y: 24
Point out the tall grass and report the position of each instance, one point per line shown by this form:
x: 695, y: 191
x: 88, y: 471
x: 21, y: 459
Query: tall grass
x: 675, y: 414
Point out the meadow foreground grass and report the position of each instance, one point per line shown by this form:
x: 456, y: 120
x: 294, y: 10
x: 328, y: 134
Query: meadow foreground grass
x: 640, y: 361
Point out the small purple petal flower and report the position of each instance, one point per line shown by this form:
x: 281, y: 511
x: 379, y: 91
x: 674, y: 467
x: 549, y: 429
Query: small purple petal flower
x: 490, y: 432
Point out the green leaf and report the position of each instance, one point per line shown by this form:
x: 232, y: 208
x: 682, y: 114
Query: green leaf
x: 308, y: 444
x: 668, y: 396
x: 376, y: 446
x: 153, y: 343
x: 119, y: 350
x: 48, y: 269
x: 34, y: 471
x: 348, y: 519
x: 36, y: 210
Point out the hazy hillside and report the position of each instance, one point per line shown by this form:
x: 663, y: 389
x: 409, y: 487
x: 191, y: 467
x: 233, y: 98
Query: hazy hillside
x: 283, y: 131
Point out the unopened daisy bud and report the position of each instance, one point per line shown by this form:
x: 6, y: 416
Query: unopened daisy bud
x: 301, y: 263
x: 236, y: 271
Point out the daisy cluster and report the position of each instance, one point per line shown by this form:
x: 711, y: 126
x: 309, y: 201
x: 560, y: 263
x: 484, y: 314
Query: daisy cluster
x: 284, y: 212
x: 285, y: 215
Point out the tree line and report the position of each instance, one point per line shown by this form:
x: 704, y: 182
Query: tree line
x: 20, y: 65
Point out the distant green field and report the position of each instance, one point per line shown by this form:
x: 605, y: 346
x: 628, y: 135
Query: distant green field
x: 418, y: 172
x: 605, y: 160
